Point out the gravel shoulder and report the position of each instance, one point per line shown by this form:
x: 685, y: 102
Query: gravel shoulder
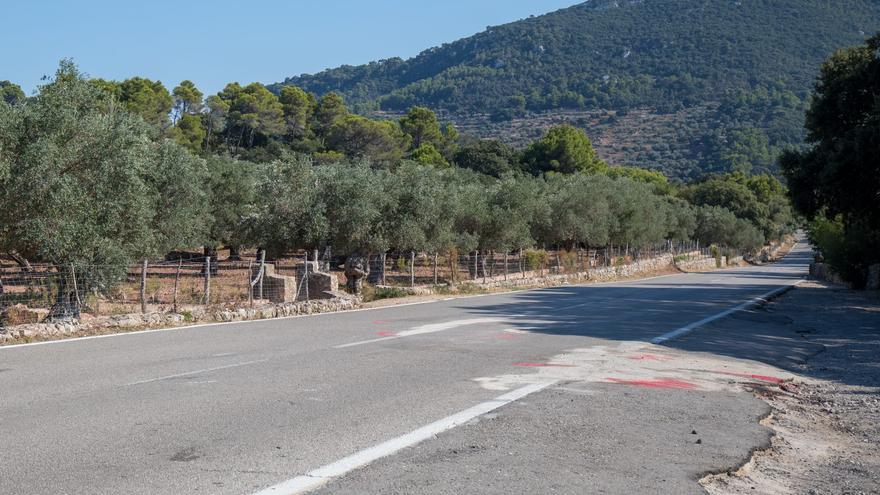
x: 827, y: 420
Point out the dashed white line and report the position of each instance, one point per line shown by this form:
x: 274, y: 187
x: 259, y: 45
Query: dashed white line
x: 421, y: 330
x: 318, y: 477
x: 196, y: 372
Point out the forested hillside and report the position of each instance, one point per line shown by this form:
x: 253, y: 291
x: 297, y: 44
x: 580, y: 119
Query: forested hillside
x: 745, y: 66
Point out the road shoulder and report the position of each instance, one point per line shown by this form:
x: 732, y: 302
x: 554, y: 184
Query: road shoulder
x: 827, y: 420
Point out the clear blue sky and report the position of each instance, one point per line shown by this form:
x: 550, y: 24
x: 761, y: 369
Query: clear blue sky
x: 215, y: 42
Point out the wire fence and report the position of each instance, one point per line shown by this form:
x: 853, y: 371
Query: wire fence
x: 179, y: 285
x: 412, y: 269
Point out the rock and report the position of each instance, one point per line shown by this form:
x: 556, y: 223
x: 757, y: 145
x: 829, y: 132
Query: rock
x: 357, y: 267
x: 19, y: 314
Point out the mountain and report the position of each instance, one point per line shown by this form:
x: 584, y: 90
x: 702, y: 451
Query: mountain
x: 709, y: 84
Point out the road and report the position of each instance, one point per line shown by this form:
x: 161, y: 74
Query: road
x: 244, y: 407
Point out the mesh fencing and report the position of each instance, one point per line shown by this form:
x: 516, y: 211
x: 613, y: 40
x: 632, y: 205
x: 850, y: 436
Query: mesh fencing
x: 147, y: 286
x: 180, y: 285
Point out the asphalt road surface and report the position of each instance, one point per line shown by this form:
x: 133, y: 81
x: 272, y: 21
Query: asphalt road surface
x: 292, y: 404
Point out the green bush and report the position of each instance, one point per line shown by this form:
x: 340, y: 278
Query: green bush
x: 848, y: 251
x: 371, y: 293
x: 536, y: 258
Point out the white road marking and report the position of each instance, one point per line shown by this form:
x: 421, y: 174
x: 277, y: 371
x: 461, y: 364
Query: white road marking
x: 246, y: 322
x: 318, y: 477
x: 697, y: 324
x: 196, y: 372
x: 421, y: 330
x: 362, y: 342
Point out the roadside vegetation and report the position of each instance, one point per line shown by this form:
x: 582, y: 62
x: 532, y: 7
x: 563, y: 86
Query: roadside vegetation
x: 836, y: 181
x: 95, y: 175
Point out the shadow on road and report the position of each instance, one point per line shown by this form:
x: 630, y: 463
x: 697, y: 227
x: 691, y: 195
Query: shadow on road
x: 783, y: 334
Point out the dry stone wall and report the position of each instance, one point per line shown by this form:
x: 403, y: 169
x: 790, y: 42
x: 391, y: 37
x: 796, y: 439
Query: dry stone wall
x: 107, y: 324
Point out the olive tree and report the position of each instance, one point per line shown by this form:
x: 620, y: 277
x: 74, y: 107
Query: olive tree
x: 91, y: 187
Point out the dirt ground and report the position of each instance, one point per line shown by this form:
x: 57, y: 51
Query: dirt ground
x: 827, y: 420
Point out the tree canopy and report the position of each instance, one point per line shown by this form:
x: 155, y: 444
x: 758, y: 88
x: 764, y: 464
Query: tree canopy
x: 88, y: 185
x: 563, y: 149
x: 838, y: 177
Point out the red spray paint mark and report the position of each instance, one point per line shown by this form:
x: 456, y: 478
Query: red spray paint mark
x: 763, y: 378
x: 379, y: 322
x: 649, y: 357
x: 659, y: 383
x: 386, y: 334
x: 543, y: 365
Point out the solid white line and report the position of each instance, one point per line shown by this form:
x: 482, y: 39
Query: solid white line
x: 697, y: 324
x: 318, y: 477
x: 421, y: 330
x: 196, y: 372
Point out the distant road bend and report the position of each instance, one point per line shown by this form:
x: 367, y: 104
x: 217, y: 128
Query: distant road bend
x: 283, y: 406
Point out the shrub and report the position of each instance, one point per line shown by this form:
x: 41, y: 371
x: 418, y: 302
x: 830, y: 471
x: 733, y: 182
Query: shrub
x: 371, y: 293
x: 536, y: 258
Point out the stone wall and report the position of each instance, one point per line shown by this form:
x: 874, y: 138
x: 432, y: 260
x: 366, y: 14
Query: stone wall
x: 823, y: 271
x: 110, y: 324
x: 602, y: 274
x: 274, y: 287
x: 701, y: 264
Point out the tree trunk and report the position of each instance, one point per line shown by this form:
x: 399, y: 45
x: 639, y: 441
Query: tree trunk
x: 492, y: 265
x: 234, y: 253
x: 65, y: 306
x: 21, y: 261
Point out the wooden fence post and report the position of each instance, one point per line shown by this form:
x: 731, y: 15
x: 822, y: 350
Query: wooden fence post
x: 505, y: 266
x: 176, y: 284
x: 435, y: 268
x: 207, y: 280
x: 144, y: 287
x: 412, y: 268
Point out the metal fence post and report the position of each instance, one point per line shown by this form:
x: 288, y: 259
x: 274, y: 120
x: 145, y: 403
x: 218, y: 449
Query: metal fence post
x: 76, y: 298
x: 176, y: 284
x: 144, y: 287
x: 476, y: 266
x: 207, y: 280
x: 306, y: 275
x: 412, y: 268
x: 262, y: 272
